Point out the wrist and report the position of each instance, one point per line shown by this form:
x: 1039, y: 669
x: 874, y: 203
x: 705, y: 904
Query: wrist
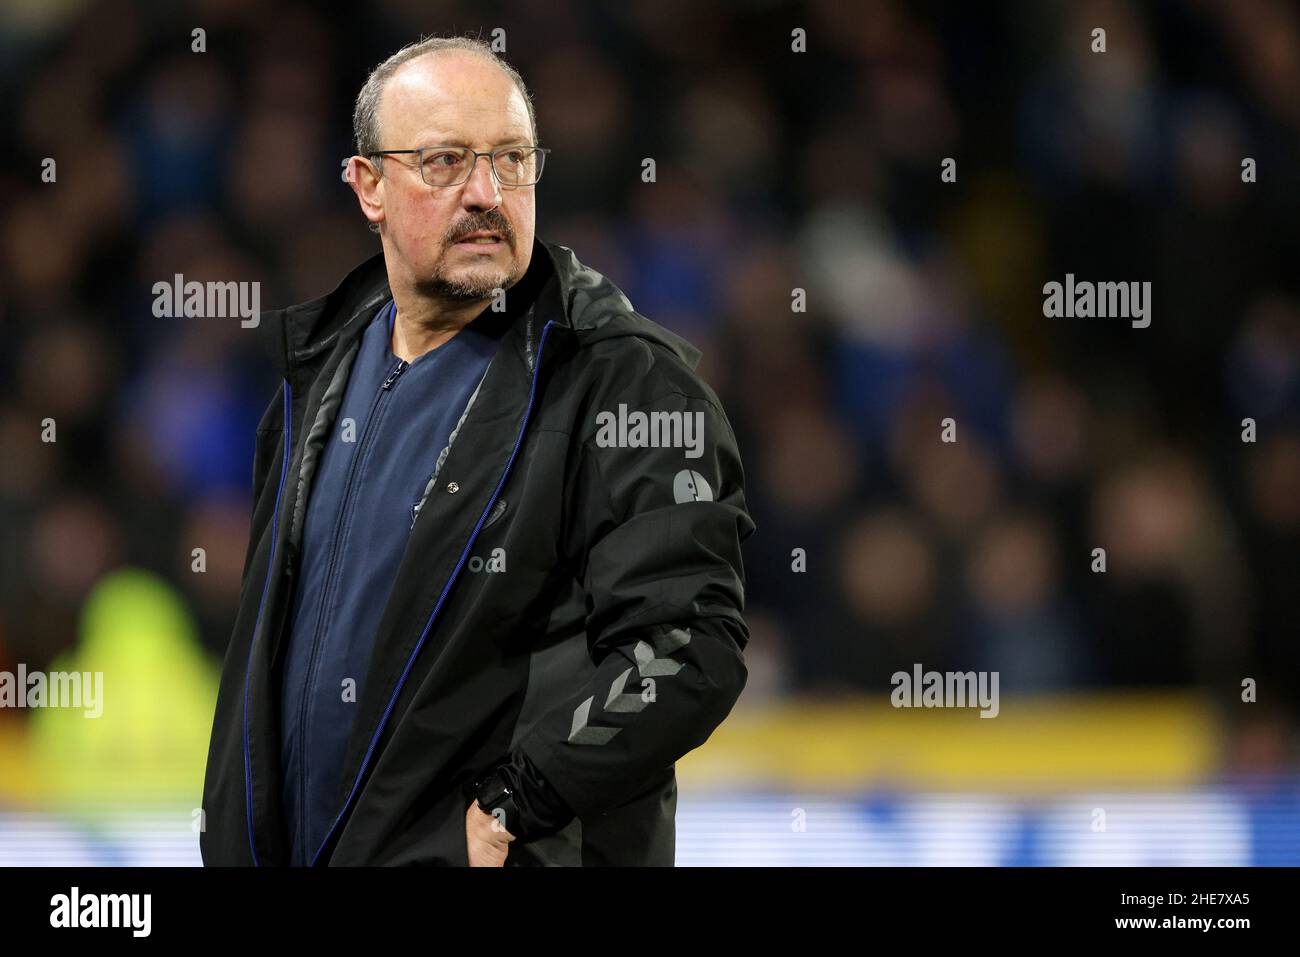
x: 521, y: 799
x: 495, y: 794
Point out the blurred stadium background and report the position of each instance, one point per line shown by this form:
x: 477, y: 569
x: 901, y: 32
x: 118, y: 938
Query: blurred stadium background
x: 776, y: 170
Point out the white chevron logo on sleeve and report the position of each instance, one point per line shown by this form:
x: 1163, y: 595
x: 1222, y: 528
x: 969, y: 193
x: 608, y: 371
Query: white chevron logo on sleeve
x: 651, y: 662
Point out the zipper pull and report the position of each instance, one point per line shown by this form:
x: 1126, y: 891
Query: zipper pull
x: 392, y: 376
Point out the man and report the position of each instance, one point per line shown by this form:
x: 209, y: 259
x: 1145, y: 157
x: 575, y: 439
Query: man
x: 493, y: 588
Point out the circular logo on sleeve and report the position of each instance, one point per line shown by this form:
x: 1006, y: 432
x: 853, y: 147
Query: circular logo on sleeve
x: 689, y: 486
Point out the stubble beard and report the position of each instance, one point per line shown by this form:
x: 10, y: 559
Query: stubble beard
x: 474, y: 284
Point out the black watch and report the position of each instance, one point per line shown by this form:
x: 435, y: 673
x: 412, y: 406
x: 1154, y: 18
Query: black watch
x: 494, y: 794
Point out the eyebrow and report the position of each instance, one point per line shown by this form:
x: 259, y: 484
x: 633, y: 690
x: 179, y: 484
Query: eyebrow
x: 451, y: 140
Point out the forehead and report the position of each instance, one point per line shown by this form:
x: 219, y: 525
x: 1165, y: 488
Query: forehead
x: 451, y: 99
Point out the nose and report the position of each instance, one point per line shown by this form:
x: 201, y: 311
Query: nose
x: 481, y: 190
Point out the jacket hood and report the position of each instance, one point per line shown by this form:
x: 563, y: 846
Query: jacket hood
x: 571, y: 294
x: 597, y: 309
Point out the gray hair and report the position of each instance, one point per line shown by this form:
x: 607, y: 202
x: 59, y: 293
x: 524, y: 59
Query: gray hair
x: 365, y: 116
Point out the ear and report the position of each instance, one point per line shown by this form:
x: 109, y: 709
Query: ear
x: 363, y: 177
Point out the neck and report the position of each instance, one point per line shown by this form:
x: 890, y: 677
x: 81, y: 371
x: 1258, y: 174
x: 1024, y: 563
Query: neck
x: 423, y: 325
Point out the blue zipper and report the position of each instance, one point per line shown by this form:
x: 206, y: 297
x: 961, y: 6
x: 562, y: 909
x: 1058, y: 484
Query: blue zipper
x: 261, y: 607
x: 442, y: 598
x: 331, y: 582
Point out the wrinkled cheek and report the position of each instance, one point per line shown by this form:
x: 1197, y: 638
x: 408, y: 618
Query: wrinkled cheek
x: 421, y: 232
x: 424, y: 246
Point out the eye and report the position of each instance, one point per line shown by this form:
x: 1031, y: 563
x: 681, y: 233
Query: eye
x: 446, y: 159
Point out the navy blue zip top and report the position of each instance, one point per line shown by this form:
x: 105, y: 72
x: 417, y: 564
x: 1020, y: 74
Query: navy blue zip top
x: 394, y: 420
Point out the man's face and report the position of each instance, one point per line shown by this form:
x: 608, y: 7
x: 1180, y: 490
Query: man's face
x: 453, y: 99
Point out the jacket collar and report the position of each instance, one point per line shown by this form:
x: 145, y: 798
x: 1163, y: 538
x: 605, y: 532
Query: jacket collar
x: 579, y: 299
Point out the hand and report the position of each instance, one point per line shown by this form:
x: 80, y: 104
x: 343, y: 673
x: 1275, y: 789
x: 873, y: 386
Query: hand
x: 487, y: 840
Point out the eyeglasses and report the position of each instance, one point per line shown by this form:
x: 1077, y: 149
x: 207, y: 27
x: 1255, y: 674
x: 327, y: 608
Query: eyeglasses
x: 512, y: 166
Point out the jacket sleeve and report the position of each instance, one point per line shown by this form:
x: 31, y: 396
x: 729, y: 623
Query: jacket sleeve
x: 268, y: 452
x: 655, y: 534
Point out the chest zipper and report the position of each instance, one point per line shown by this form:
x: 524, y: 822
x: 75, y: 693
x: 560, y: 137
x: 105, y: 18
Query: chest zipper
x: 402, y: 366
x: 330, y: 573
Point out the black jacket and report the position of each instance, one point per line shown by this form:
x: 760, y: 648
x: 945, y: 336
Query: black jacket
x: 566, y: 609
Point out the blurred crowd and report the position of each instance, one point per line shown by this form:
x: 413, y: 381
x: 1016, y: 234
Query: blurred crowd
x: 776, y: 171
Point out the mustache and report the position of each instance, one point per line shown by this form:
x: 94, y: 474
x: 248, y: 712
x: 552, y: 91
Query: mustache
x: 487, y: 223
